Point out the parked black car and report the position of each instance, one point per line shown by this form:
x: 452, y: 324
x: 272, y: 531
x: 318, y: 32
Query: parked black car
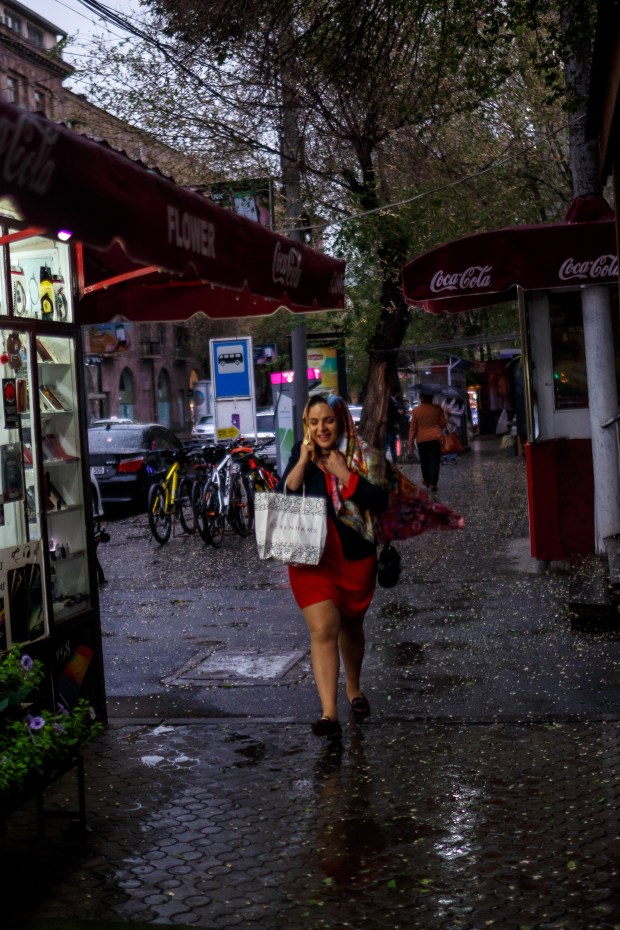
x: 125, y: 458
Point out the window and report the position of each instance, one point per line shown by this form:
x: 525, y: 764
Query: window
x: 570, y: 385
x: 40, y: 101
x: 12, y: 88
x: 180, y: 339
x: 12, y: 21
x: 161, y: 331
x: 35, y: 35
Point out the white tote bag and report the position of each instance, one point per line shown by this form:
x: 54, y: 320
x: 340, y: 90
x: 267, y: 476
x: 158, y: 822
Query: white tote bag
x: 290, y: 527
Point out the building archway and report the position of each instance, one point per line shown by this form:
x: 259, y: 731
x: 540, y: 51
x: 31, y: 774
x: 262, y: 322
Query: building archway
x: 163, y: 398
x: 126, y: 394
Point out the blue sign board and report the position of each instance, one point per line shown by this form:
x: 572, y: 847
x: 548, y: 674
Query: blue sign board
x: 231, y: 361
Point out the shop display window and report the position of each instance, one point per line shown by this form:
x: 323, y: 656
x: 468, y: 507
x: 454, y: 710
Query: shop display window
x: 570, y: 385
x: 44, y: 566
x: 39, y: 287
x: 41, y: 493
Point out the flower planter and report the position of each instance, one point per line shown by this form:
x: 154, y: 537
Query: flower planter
x: 37, y: 745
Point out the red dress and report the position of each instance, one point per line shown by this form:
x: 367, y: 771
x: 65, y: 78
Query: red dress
x: 348, y: 583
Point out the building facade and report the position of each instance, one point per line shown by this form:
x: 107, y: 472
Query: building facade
x: 148, y: 374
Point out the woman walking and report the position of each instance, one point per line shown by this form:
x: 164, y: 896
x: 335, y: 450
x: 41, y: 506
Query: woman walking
x: 334, y: 595
x: 426, y: 429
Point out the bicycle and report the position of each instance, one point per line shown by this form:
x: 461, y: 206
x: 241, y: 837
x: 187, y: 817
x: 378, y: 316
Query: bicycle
x: 226, y: 497
x: 170, y: 499
x: 254, y: 467
x: 202, y: 472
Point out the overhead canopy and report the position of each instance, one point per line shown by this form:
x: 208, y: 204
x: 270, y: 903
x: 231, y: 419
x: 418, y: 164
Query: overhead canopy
x: 180, y: 253
x: 486, y: 268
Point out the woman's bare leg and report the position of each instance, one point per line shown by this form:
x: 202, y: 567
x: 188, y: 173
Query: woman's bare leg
x: 352, y: 642
x: 323, y: 621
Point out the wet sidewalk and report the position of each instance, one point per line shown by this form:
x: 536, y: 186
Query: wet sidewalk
x: 482, y: 792
x: 407, y: 826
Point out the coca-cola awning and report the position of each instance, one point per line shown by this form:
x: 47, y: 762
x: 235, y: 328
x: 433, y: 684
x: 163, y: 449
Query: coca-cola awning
x: 180, y: 255
x: 486, y: 268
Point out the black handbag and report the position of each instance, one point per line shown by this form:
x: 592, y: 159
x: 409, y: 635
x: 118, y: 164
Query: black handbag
x: 388, y: 566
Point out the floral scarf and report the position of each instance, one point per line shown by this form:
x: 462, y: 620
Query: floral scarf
x: 360, y: 459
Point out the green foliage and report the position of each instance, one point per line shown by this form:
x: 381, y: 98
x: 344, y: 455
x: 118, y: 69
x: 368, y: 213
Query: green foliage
x: 36, y: 743
x: 19, y: 671
x: 32, y: 743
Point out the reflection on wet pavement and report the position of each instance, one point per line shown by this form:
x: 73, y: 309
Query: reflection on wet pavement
x: 400, y: 825
x: 482, y: 792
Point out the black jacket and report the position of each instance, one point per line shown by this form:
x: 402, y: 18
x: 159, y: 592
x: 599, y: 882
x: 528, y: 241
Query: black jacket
x: 367, y: 496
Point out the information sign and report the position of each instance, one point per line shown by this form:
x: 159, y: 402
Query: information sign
x: 231, y: 367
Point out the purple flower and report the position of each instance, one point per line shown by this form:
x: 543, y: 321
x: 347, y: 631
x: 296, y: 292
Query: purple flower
x: 26, y: 663
x: 58, y: 727
x: 35, y: 723
x: 62, y: 709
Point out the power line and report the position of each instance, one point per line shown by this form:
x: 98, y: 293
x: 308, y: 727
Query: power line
x: 443, y: 187
x: 460, y: 343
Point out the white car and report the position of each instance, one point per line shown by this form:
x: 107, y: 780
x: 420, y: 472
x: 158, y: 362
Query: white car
x: 204, y: 428
x: 265, y: 433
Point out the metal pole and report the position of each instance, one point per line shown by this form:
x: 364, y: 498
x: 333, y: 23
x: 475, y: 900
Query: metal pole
x: 603, y: 404
x: 300, y: 369
x: 527, y: 366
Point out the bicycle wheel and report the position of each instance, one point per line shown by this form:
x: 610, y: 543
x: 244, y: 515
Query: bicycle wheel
x: 241, y: 503
x: 199, y: 510
x: 214, y: 519
x: 185, y: 509
x: 160, y: 522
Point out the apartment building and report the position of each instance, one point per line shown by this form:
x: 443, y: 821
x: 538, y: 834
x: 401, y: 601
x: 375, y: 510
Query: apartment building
x: 148, y: 374
x: 31, y: 70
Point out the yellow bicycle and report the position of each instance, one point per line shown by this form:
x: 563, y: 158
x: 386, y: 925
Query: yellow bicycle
x: 170, y: 499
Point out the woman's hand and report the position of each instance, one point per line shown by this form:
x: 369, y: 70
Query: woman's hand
x: 305, y: 453
x: 296, y: 475
x: 333, y: 463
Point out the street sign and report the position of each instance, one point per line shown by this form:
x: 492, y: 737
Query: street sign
x: 231, y: 361
x: 232, y: 379
x: 228, y: 432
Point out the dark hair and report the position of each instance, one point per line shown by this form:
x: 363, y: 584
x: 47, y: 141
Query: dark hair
x: 316, y: 399
x: 335, y: 403
x: 428, y: 398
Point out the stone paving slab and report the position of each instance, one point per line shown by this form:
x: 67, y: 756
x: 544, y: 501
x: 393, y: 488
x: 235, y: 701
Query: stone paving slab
x: 246, y: 823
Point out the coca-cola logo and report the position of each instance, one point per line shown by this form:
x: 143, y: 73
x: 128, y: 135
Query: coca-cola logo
x: 605, y: 267
x: 25, y: 150
x: 336, y: 285
x: 472, y: 278
x: 286, y: 266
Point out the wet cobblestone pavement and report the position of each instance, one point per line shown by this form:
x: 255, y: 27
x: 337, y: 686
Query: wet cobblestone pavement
x: 405, y: 825
x: 482, y: 792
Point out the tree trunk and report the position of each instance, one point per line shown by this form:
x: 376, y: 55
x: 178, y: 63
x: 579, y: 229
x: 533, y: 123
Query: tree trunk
x: 387, y: 339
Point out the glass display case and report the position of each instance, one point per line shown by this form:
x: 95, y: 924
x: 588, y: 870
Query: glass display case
x: 48, y: 596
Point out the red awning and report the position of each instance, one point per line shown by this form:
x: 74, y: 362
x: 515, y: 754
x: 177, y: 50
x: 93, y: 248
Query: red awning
x: 486, y: 268
x: 61, y: 180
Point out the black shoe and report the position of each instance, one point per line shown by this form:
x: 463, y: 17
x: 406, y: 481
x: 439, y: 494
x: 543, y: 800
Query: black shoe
x: 325, y: 726
x: 360, y: 706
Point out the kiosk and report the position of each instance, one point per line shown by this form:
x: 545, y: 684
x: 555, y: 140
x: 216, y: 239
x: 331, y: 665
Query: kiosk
x: 554, y: 271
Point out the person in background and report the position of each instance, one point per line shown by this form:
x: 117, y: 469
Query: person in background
x: 454, y: 409
x: 394, y: 415
x: 334, y: 595
x: 426, y: 430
